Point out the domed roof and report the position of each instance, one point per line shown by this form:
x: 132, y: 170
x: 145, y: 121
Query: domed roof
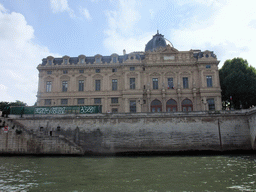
x: 157, y: 41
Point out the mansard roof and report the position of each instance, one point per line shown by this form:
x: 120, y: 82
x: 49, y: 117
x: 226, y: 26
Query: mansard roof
x: 104, y: 59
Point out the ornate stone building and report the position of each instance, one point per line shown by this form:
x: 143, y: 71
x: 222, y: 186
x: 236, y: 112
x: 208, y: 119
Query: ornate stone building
x: 161, y: 79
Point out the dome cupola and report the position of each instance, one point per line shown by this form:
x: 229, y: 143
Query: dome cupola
x: 157, y: 41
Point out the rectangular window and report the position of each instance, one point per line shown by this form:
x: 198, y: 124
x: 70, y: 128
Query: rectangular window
x: 208, y: 66
x: 209, y: 81
x: 64, y: 101
x: 114, y: 59
x: 50, y: 62
x: 114, y: 84
x: 185, y: 82
x: 82, y: 60
x: 64, y: 86
x: 80, y: 101
x: 97, y: 101
x: 65, y: 71
x: 47, y: 102
x: 133, y: 106
x: 132, y: 83
x: 48, y: 86
x: 81, y: 85
x: 170, y: 83
x: 97, y: 70
x: 81, y: 71
x: 132, y: 68
x: 65, y: 61
x: 114, y: 100
x: 97, y: 85
x: 211, y: 104
x: 114, y: 70
x: 49, y: 72
x: 155, y: 83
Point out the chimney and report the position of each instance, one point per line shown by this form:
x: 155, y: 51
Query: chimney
x: 124, y: 52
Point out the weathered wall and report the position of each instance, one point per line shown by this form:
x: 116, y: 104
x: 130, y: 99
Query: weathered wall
x: 112, y: 133
x: 27, y: 142
x: 252, y: 124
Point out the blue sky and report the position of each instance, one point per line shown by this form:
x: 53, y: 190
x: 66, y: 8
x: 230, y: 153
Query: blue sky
x: 32, y: 30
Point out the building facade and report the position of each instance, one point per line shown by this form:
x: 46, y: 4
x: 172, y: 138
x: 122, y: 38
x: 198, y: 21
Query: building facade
x: 160, y: 79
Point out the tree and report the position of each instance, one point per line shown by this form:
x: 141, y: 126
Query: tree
x: 4, y: 104
x: 17, y: 103
x: 238, y: 83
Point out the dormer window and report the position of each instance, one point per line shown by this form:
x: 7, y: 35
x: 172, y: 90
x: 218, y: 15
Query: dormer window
x: 50, y: 62
x: 114, y: 59
x: 98, y: 60
x: 81, y: 59
x: 65, y: 61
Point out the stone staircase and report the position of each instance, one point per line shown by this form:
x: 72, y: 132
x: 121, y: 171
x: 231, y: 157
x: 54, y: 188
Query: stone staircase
x: 20, y: 140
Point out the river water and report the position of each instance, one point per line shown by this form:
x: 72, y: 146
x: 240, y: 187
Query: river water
x: 150, y: 174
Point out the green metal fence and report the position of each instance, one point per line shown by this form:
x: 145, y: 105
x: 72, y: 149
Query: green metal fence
x: 88, y: 109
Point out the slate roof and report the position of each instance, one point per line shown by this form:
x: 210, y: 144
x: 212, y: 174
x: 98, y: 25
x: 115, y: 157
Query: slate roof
x: 91, y: 60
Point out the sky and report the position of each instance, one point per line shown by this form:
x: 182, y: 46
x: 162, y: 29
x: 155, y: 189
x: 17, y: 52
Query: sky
x: 32, y: 30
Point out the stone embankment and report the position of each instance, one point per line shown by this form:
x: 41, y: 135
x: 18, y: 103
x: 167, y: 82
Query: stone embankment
x: 123, y: 133
x: 20, y: 140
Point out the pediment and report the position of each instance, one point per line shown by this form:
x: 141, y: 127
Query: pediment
x: 97, y: 76
x: 155, y: 74
x: 66, y: 77
x: 132, y: 74
x: 49, y: 78
x: 114, y: 76
x: 169, y: 74
x: 81, y: 77
x: 169, y: 49
x: 186, y: 73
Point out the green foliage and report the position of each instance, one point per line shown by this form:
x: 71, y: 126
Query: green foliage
x: 5, y: 104
x: 17, y: 103
x: 238, y: 79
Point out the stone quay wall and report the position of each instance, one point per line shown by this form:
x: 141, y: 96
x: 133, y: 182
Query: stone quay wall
x: 138, y: 132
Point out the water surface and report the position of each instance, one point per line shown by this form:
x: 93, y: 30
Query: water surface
x: 168, y: 173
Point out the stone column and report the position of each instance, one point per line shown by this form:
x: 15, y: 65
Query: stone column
x: 179, y: 98
x: 139, y: 103
x: 148, y: 100
x: 126, y: 104
x: 194, y: 99
x: 163, y: 100
x: 105, y: 106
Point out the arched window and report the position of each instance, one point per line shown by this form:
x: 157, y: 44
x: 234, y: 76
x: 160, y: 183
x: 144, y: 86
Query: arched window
x: 156, y: 106
x: 171, y: 105
x: 187, y: 105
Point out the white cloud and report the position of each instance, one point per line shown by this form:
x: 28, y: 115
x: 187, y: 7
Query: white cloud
x: 61, y: 6
x: 230, y: 34
x: 122, y: 33
x: 85, y: 13
x: 19, y: 57
x: 4, y: 94
x: 2, y: 8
